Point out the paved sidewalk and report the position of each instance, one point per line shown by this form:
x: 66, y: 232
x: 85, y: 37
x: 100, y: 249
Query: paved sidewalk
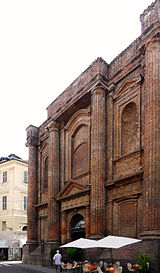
x: 39, y: 268
x: 47, y: 269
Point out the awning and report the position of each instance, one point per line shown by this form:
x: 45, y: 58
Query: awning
x: 4, y: 243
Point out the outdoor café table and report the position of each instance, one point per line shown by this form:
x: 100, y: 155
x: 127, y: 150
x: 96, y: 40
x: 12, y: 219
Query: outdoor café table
x: 111, y: 270
x: 91, y: 267
x: 80, y: 265
x: 135, y: 267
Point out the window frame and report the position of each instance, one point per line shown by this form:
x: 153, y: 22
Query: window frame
x: 25, y: 202
x: 4, y: 176
x: 25, y: 177
x: 4, y: 225
x: 4, y: 202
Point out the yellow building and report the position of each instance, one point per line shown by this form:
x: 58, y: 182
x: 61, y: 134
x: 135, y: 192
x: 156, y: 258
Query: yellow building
x: 13, y: 205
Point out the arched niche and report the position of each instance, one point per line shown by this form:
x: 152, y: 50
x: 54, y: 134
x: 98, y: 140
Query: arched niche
x: 77, y: 146
x: 45, y: 173
x: 129, y: 129
x: 80, y: 162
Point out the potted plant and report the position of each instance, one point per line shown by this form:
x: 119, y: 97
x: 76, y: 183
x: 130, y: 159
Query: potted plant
x: 143, y: 261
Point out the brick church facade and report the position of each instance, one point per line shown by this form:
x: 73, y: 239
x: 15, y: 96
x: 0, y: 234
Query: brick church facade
x: 94, y: 164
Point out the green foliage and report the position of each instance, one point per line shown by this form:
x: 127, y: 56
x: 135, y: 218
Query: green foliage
x: 73, y: 254
x: 143, y: 260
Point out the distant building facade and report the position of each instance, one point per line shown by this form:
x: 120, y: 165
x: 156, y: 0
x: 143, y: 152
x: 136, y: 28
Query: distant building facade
x: 13, y: 205
x: 94, y: 163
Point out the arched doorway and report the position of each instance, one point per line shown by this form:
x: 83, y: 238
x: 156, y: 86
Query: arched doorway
x: 77, y: 227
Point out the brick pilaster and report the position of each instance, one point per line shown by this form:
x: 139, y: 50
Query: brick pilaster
x: 98, y: 162
x: 32, y: 226
x: 63, y: 227
x: 87, y: 222
x: 53, y: 182
x: 109, y: 144
x: 151, y: 187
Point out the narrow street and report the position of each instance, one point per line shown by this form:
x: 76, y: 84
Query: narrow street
x: 18, y: 267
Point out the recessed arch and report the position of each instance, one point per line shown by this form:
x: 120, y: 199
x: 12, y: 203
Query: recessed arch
x: 45, y: 173
x: 80, y: 162
x: 129, y: 129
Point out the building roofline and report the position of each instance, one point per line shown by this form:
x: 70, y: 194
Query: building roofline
x: 12, y: 157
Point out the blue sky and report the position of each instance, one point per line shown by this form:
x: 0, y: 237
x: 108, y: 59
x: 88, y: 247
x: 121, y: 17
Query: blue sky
x: 45, y: 45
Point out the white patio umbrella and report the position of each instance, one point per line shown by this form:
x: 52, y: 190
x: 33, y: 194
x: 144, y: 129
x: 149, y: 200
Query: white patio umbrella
x: 116, y: 241
x: 107, y: 242
x: 81, y: 243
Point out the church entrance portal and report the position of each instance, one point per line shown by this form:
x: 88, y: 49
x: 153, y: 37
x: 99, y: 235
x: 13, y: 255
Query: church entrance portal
x: 77, y: 227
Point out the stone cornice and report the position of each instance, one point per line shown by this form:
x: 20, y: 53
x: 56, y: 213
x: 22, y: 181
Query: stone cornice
x: 152, y: 36
x: 99, y: 80
x: 41, y: 205
x: 124, y: 179
x: 96, y: 74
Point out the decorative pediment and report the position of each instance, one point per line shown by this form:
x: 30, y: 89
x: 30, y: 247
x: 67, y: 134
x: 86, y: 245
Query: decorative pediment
x: 71, y: 189
x: 126, y: 85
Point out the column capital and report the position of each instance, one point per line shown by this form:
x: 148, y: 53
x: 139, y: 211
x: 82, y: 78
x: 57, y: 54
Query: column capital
x: 32, y: 136
x: 153, y: 40
x: 52, y: 126
x: 98, y: 89
x: 112, y: 87
x: 145, y: 44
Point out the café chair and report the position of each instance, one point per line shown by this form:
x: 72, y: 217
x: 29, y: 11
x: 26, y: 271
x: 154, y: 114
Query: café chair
x: 118, y: 270
x: 105, y: 265
x: 115, y: 266
x: 74, y: 265
x: 99, y: 270
x: 118, y: 264
x: 96, y: 265
x: 69, y: 267
x: 85, y: 267
x: 129, y: 267
x: 63, y: 265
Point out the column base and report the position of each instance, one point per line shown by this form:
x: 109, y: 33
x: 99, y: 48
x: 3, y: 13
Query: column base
x: 150, y: 234
x: 31, y: 242
x: 53, y: 242
x: 96, y: 236
x: 31, y: 246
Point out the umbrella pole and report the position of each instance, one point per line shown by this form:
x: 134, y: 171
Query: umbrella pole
x: 111, y: 255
